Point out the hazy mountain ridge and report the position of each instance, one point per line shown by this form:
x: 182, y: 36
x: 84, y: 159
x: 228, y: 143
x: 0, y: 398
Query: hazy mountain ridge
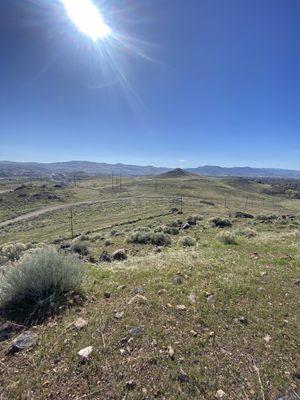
x: 33, y: 169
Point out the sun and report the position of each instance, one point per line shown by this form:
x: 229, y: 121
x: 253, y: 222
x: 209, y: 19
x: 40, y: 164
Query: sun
x: 87, y: 18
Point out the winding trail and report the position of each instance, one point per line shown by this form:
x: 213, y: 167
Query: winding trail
x: 37, y: 213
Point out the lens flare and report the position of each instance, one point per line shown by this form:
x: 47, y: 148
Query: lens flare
x: 87, y: 18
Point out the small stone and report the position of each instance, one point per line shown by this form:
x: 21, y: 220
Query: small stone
x: 243, y: 320
x: 119, y: 255
x: 210, y: 298
x: 171, y: 352
x: 267, y: 338
x: 138, y: 290
x: 22, y: 342
x: 185, y: 226
x: 105, y: 257
x: 121, y: 287
x: 194, y: 333
x: 136, y: 331
x: 107, y: 295
x: 80, y: 323
x: 139, y: 299
x: 297, y: 282
x: 192, y: 298
x: 119, y: 315
x: 182, y: 376
x: 7, y: 329
x: 85, y: 353
x: 130, y: 385
x: 220, y: 394
x: 181, y: 307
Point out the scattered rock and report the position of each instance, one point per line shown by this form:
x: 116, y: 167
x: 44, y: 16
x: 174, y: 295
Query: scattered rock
x: 136, y: 331
x: 107, y: 295
x: 119, y: 255
x: 92, y: 259
x: 192, y: 298
x: 185, y: 226
x: 182, y: 376
x: 243, y: 320
x: 105, y: 257
x: 7, y: 329
x: 138, y: 290
x: 121, y: 287
x: 85, y: 353
x: 191, y: 220
x: 297, y: 282
x: 255, y: 255
x: 181, y: 307
x: 80, y: 323
x: 171, y: 352
x: 194, y: 333
x: 220, y: 394
x: 22, y: 342
x: 139, y: 299
x: 267, y: 338
x: 130, y: 385
x: 209, y: 296
x: 119, y: 315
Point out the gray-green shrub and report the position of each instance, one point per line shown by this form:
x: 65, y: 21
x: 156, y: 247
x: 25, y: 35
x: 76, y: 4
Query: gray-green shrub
x: 227, y: 237
x: 13, y: 251
x: 187, y: 241
x: 220, y: 222
x: 245, y: 232
x: 80, y: 247
x: 147, y: 236
x: 38, y: 284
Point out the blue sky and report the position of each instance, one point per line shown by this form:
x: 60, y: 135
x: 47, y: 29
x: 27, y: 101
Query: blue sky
x: 188, y: 83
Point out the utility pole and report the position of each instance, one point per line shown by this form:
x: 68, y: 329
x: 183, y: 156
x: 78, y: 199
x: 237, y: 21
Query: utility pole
x: 75, y: 182
x: 181, y: 204
x: 71, y: 222
x: 120, y: 180
x: 112, y: 180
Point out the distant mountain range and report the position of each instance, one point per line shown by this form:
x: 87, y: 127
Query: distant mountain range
x: 37, y: 170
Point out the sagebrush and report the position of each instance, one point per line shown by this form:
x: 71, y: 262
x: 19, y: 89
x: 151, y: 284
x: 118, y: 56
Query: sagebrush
x: 39, y: 283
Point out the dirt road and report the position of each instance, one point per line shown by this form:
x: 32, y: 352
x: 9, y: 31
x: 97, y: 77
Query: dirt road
x: 37, y: 213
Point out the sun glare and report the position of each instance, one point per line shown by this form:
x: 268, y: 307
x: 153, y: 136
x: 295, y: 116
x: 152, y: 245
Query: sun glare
x: 87, y: 18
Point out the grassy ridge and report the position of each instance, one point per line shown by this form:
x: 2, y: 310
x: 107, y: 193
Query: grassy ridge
x: 173, y: 322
